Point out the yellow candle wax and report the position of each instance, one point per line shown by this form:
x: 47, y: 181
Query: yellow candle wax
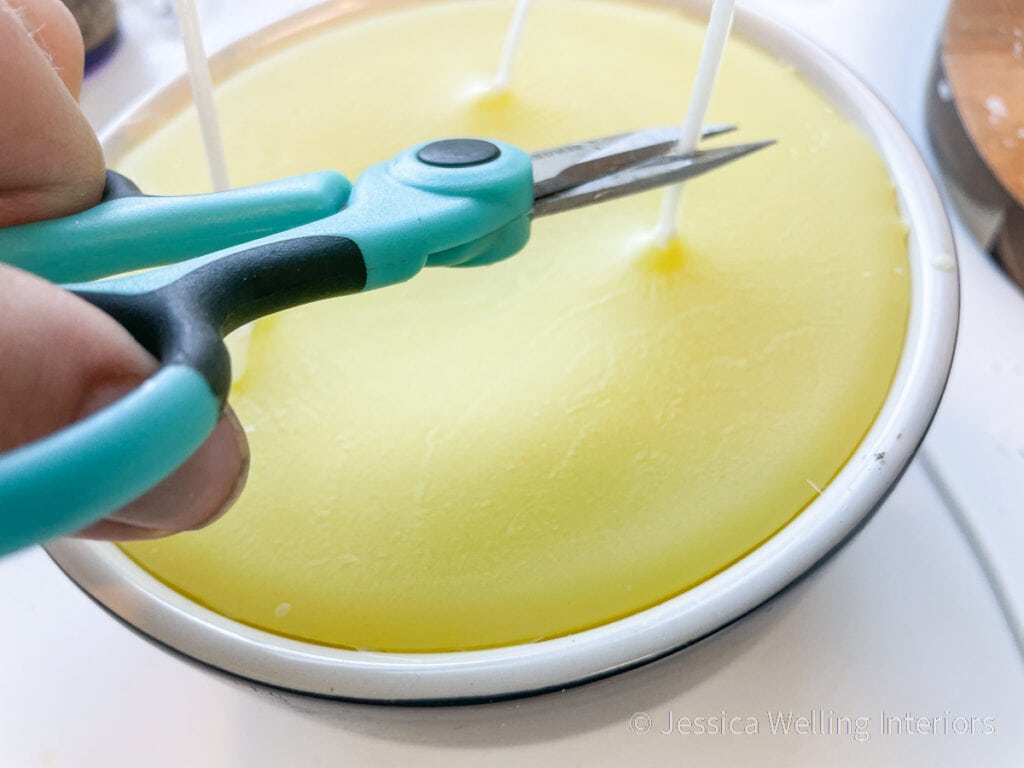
x: 499, y: 455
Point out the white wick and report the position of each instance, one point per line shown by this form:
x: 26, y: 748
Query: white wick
x: 202, y: 93
x: 689, y: 134
x: 512, y: 40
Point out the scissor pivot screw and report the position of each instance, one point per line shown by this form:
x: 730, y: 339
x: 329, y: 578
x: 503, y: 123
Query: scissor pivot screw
x: 458, y: 153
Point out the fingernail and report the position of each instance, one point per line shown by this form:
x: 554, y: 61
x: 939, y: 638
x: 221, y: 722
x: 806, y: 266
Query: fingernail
x: 111, y: 530
x: 104, y: 394
x: 242, y: 445
x: 201, y: 489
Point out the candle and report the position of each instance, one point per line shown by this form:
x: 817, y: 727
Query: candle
x: 493, y: 456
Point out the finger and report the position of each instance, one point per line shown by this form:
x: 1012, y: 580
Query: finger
x: 64, y: 359
x: 108, y: 530
x: 52, y: 164
x: 58, y: 352
x: 54, y: 29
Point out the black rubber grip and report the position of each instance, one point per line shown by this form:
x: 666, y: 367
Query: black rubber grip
x: 119, y: 186
x: 185, y: 322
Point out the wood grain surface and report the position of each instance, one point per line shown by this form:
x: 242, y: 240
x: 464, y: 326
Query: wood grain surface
x: 983, y: 55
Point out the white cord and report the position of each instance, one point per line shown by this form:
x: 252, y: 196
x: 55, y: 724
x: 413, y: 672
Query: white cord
x: 202, y: 93
x: 690, y: 132
x: 1014, y: 620
x: 512, y: 40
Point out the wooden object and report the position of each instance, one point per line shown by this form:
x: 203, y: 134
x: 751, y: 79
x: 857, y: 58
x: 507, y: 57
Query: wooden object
x: 983, y: 56
x: 983, y: 61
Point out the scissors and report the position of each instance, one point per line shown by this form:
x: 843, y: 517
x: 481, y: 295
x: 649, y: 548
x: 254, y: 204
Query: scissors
x: 214, y: 262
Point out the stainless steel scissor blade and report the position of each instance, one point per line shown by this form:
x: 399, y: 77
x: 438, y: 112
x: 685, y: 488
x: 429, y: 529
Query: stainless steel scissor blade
x: 625, y: 178
x: 570, y: 165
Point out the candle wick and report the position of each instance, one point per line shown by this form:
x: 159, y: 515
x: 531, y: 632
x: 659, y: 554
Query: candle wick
x: 690, y: 131
x: 513, y: 38
x: 202, y: 93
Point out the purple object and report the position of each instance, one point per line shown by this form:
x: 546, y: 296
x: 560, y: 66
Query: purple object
x: 96, y: 56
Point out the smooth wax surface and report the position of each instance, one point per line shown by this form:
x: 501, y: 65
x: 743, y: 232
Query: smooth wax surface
x: 499, y: 455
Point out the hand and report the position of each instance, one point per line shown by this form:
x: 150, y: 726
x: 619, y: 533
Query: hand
x: 63, y: 358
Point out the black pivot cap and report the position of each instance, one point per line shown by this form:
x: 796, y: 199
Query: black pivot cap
x: 458, y: 153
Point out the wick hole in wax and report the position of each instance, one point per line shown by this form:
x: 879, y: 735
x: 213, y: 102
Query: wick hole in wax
x: 658, y: 257
x: 493, y: 113
x: 485, y: 98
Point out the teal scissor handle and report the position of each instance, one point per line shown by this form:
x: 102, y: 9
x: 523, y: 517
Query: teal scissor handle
x: 76, y: 476
x: 130, y: 231
x: 452, y: 203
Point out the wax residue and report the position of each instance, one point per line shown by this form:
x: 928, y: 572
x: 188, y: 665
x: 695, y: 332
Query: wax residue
x: 659, y: 258
x: 489, y: 456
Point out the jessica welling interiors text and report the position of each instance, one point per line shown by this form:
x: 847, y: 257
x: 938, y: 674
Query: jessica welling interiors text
x: 814, y: 722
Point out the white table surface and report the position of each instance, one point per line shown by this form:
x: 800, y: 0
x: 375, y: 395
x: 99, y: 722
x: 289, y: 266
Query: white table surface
x: 904, y: 620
